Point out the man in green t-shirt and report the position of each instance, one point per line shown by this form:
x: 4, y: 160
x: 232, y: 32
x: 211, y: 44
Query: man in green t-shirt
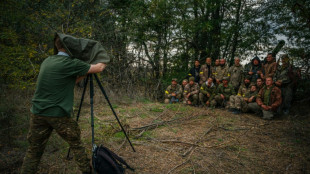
x: 52, y: 104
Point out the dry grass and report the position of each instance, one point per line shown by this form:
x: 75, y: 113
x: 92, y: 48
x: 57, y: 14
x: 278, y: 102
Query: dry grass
x: 197, y: 141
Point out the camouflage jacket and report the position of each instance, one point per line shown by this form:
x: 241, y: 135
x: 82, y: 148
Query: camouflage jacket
x: 191, y: 89
x: 270, y: 69
x: 205, y: 89
x: 275, y: 97
x: 226, y: 91
x: 204, y: 73
x: 244, y: 90
x: 282, y: 75
x: 236, y: 75
x: 173, y: 89
x: 221, y: 72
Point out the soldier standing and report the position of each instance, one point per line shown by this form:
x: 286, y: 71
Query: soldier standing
x: 205, y: 71
x: 222, y: 94
x: 52, y: 106
x: 207, y: 91
x: 191, y: 92
x: 283, y: 81
x: 236, y: 74
x: 270, y: 67
x: 255, y: 69
x: 221, y: 71
x: 173, y: 92
x: 268, y: 100
x: 194, y: 72
x: 246, y: 94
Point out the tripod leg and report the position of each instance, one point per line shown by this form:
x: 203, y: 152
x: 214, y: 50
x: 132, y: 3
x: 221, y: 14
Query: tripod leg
x: 80, y: 107
x: 92, y: 108
x: 106, y: 97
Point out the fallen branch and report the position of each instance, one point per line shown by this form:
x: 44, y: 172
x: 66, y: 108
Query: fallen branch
x: 177, y: 141
x: 154, y: 125
x: 191, y: 148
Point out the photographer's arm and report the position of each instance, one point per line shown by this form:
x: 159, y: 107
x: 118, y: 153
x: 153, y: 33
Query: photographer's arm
x: 96, y: 68
x: 93, y: 69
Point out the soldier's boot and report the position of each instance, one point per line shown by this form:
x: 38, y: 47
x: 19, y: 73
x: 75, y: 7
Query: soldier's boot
x: 167, y: 101
x: 201, y: 100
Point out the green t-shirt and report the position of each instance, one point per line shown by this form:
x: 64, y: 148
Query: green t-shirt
x: 266, y: 96
x: 54, y: 91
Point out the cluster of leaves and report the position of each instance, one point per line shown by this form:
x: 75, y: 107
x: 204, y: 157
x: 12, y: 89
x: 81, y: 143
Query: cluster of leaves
x: 150, y: 41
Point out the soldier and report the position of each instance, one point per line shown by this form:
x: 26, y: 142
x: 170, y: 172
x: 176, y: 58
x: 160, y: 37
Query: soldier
x: 194, y: 72
x: 221, y: 71
x: 236, y: 74
x: 207, y: 91
x: 283, y: 80
x: 173, y: 92
x: 259, y: 83
x: 184, y: 83
x: 52, y: 106
x: 246, y: 94
x: 270, y: 66
x: 268, y: 100
x: 222, y: 94
x: 191, y: 92
x: 205, y: 71
x: 255, y: 69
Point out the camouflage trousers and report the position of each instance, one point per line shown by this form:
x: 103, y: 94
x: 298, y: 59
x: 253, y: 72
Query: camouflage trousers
x: 287, y: 96
x: 193, y: 99
x: 169, y: 99
x: 39, y: 133
x: 218, y: 101
x: 267, y: 115
x: 237, y: 102
x: 203, y: 99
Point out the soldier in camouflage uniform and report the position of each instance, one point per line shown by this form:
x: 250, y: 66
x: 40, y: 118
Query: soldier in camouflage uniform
x: 270, y: 66
x: 173, y: 92
x: 221, y: 71
x: 205, y: 71
x: 259, y: 84
x: 236, y: 74
x: 191, y: 92
x: 184, y: 83
x: 222, y: 94
x: 268, y: 100
x: 52, y: 105
x: 246, y: 94
x: 207, y: 91
x: 283, y: 81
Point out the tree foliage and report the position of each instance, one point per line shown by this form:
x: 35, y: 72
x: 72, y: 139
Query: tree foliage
x: 151, y: 41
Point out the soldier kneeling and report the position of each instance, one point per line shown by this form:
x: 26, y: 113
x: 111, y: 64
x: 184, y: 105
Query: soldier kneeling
x: 207, y: 91
x: 173, y: 93
x: 191, y: 92
x: 222, y: 94
x: 246, y: 94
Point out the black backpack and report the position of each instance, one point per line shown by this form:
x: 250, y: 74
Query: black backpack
x: 106, y: 161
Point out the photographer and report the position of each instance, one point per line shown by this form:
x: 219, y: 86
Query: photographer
x: 52, y: 104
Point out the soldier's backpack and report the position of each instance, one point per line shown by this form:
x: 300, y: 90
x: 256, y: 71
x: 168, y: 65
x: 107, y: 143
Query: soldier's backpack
x: 106, y: 161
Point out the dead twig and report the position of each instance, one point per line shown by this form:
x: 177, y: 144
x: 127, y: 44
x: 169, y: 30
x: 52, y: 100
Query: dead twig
x: 191, y: 148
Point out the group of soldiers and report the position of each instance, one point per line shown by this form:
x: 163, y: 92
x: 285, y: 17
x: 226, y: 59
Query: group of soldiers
x: 263, y: 87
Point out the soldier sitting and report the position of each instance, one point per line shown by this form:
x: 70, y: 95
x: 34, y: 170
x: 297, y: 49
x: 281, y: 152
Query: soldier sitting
x: 184, y: 83
x: 268, y: 100
x: 246, y: 94
x: 207, y: 91
x: 222, y: 94
x: 191, y: 92
x: 173, y: 93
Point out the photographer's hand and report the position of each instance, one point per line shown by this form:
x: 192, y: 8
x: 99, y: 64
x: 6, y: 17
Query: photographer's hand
x: 96, y: 68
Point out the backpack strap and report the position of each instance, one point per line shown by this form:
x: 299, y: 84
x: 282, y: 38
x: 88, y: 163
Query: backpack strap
x: 118, y: 158
x: 110, y: 161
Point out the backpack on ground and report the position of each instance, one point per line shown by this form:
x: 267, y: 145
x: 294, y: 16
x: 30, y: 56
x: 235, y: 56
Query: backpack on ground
x: 106, y: 161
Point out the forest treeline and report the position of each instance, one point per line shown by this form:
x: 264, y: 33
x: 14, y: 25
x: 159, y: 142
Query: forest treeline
x: 150, y: 41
